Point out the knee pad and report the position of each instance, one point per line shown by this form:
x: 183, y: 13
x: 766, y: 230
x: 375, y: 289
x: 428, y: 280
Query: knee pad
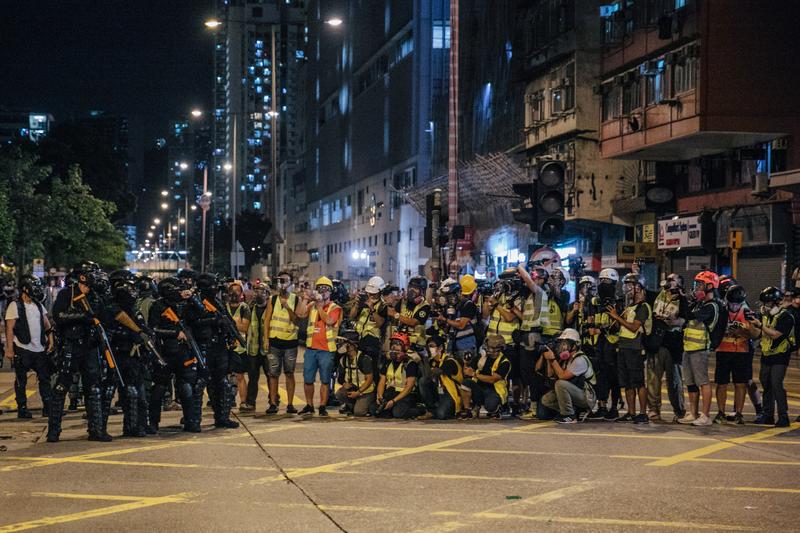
x: 693, y: 388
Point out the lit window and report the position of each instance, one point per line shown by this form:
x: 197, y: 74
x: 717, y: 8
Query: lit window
x: 256, y: 205
x: 441, y: 34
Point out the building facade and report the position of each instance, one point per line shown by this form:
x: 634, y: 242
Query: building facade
x: 692, y: 91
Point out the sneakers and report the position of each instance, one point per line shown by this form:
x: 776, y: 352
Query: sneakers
x: 323, y: 411
x: 598, y: 415
x: 465, y: 414
x: 720, y: 418
x: 246, y: 408
x: 687, y: 419
x: 654, y: 415
x: 641, y: 418
x: 763, y: 420
x: 425, y: 416
x: 702, y: 420
x: 345, y: 410
x: 624, y: 418
x: 528, y: 415
x: 307, y: 410
x: 783, y: 421
x: 611, y: 416
x: 565, y: 420
x: 738, y: 419
x: 273, y: 409
x: 290, y: 410
x: 23, y: 412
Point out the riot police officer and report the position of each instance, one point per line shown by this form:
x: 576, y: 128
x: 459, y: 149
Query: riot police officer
x: 204, y: 317
x: 182, y: 362
x: 75, y: 312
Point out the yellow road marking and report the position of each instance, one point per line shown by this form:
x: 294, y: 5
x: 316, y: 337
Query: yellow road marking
x: 724, y: 445
x: 152, y: 464
x: 341, y: 508
x: 445, y: 476
x: 11, y: 401
x: 130, y: 505
x: 619, y: 522
x: 302, y: 472
x: 764, y: 489
x: 284, y: 396
x: 49, y: 461
x: 536, y: 499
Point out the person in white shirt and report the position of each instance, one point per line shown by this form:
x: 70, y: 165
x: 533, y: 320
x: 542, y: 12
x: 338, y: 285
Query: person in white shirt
x: 28, y: 325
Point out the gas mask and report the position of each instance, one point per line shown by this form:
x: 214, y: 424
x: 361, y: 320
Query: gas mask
x: 323, y: 293
x: 412, y: 296
x: 398, y: 356
x: 606, y: 290
x: 284, y: 286
x: 771, y: 309
x: 260, y: 297
x: 564, y: 350
x: 699, y: 292
x: 734, y: 307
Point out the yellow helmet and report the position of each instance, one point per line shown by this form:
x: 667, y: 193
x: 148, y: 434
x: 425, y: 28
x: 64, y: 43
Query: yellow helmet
x: 324, y: 281
x: 468, y: 284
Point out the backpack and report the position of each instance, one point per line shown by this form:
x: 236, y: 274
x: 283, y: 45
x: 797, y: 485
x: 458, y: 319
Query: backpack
x: 718, y: 326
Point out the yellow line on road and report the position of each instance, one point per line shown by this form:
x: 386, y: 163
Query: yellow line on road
x: 763, y: 489
x: 619, y: 522
x: 536, y: 499
x: 724, y: 445
x: 11, y: 401
x: 444, y: 476
x: 139, y: 503
x: 153, y: 464
x: 284, y: 396
x: 302, y: 472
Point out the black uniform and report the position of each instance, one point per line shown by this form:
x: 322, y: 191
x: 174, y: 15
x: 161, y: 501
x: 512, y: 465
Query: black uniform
x: 74, y: 315
x: 181, y: 363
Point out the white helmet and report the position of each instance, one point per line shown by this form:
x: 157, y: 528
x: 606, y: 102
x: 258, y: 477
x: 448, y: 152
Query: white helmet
x: 564, y: 273
x: 587, y: 279
x: 375, y: 285
x: 570, y: 334
x: 609, y: 273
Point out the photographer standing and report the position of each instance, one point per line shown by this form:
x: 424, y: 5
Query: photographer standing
x: 29, y: 327
x: 604, y: 332
x: 369, y: 316
x: 458, y: 317
x: 669, y: 314
x: 573, y: 375
x: 534, y: 316
x: 635, y: 322
x: 504, y: 316
x: 413, y: 312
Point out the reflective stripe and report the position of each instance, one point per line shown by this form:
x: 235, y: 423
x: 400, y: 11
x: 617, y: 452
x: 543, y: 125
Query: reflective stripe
x: 604, y: 320
x: 280, y: 323
x: 529, y: 312
x: 500, y: 385
x: 451, y: 385
x: 785, y: 345
x: 365, y: 323
x: 416, y: 334
x: 554, y: 319
x: 330, y: 331
x: 629, y: 315
x: 354, y: 375
x: 734, y: 343
x: 254, y: 331
x: 695, y: 337
x: 499, y: 326
x: 396, y: 377
x: 665, y: 306
x: 235, y: 315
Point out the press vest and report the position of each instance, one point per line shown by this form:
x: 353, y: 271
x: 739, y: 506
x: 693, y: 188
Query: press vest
x: 280, y: 323
x: 768, y: 345
x: 589, y: 375
x: 365, y: 323
x: 255, y: 332
x: 235, y: 315
x: 696, y: 337
x: 529, y: 319
x: 500, y: 385
x: 630, y: 315
x: 330, y: 331
x: 500, y: 327
x: 450, y: 384
x: 735, y: 343
x: 554, y: 319
x: 396, y: 376
x: 354, y: 375
x: 416, y: 334
x: 664, y: 306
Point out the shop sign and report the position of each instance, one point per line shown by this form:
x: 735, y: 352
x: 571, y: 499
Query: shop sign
x: 679, y: 232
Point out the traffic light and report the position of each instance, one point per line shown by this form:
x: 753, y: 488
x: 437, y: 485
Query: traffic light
x: 527, y: 213
x: 550, y: 199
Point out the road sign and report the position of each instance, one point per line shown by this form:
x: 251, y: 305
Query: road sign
x: 628, y: 251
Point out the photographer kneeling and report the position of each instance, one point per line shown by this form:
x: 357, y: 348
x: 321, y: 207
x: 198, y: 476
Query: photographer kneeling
x: 357, y: 391
x: 573, y: 375
x: 441, y: 391
x: 488, y: 379
x: 397, y: 395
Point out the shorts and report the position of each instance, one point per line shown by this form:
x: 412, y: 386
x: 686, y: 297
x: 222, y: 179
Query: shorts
x: 281, y: 359
x: 630, y: 368
x: 695, y: 368
x: 735, y: 365
x: 317, y: 360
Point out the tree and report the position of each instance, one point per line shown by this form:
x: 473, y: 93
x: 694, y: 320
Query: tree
x: 6, y: 226
x: 77, y: 225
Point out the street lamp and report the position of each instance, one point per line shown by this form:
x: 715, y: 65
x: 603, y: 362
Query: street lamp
x: 335, y: 21
x: 164, y: 206
x: 156, y: 221
x: 196, y: 113
x: 227, y: 167
x: 164, y: 193
x: 213, y: 23
x: 184, y: 166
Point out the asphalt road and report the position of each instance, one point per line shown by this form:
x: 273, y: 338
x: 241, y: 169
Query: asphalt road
x: 284, y: 473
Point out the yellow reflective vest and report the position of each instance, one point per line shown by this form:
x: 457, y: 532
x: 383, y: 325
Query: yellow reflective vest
x: 354, y: 375
x: 365, y: 322
x: 254, y: 330
x: 330, y: 331
x: 498, y: 326
x: 768, y: 345
x: 450, y: 384
x: 280, y: 323
x: 555, y: 319
x: 416, y: 334
x: 396, y: 376
x: 696, y: 336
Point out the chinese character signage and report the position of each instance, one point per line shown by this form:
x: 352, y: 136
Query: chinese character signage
x: 679, y: 232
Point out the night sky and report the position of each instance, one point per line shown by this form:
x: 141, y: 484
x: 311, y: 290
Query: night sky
x: 150, y: 59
